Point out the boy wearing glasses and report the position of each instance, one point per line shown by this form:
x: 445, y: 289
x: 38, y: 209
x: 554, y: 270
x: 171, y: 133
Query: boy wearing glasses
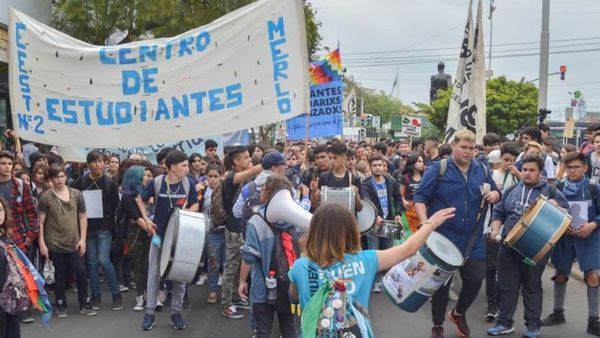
x: 581, y: 241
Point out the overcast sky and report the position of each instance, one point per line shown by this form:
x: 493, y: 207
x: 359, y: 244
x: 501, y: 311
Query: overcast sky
x: 394, y: 25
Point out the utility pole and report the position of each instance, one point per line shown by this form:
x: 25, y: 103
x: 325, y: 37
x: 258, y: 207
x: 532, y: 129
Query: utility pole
x: 544, y: 51
x: 492, y: 9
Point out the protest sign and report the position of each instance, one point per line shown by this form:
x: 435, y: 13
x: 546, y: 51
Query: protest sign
x: 411, y: 126
x: 246, y: 69
x: 326, y: 118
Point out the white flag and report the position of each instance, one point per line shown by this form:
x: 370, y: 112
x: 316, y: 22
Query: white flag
x: 459, y: 101
x: 349, y: 108
x: 477, y: 88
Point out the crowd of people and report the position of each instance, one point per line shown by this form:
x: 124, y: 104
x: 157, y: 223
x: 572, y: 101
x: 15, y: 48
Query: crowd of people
x: 103, y: 221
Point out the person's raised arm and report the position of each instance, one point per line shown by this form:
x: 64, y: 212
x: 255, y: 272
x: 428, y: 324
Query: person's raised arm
x: 390, y: 257
x: 245, y: 175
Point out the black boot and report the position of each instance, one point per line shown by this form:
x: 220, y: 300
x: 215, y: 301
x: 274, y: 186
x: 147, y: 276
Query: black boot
x: 555, y: 318
x: 593, y: 326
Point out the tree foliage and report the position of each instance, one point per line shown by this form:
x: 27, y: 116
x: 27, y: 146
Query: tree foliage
x: 510, y: 106
x: 93, y: 21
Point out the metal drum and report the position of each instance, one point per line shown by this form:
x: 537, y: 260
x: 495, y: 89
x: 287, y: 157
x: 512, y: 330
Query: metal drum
x: 182, y: 247
x: 389, y: 229
x: 410, y: 283
x: 367, y: 217
x: 342, y: 196
x: 538, y: 230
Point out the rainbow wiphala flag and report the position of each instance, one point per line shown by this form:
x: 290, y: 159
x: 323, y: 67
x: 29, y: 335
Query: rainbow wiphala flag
x: 327, y: 70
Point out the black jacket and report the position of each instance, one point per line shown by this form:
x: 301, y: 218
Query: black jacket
x: 395, y: 204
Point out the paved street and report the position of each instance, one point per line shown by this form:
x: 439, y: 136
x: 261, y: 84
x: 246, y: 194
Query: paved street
x: 204, y: 320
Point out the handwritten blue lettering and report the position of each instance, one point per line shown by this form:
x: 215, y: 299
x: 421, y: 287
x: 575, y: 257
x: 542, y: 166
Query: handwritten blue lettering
x: 277, y: 40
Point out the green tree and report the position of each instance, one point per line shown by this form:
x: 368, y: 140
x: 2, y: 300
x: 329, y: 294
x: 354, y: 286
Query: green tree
x: 379, y: 103
x: 510, y: 106
x: 93, y: 21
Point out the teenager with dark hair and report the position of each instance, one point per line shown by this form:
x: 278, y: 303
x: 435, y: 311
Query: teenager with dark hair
x: 102, y: 199
x: 63, y: 233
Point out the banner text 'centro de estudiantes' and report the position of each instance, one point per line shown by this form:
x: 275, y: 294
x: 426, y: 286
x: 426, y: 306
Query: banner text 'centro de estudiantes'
x: 246, y: 69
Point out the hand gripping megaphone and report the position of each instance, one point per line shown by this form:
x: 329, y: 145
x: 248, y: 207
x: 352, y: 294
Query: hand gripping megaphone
x: 281, y: 207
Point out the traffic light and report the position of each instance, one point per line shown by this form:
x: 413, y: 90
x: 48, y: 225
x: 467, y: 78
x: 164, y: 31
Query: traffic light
x: 369, y: 121
x: 563, y: 70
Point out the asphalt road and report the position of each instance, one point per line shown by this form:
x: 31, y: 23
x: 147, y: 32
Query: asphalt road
x: 204, y: 320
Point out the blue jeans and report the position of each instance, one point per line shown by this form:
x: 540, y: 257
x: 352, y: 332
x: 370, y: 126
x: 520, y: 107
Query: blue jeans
x: 375, y: 242
x: 215, y: 251
x: 98, y: 253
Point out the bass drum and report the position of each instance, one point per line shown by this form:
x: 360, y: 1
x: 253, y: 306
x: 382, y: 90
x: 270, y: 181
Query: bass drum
x: 367, y: 217
x: 183, y: 245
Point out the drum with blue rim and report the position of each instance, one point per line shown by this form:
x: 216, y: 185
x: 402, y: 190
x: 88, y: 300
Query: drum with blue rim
x: 538, y: 230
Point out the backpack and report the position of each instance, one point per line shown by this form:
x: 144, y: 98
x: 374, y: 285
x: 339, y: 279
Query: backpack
x: 220, y: 215
x: 122, y: 223
x: 14, y: 297
x: 251, y: 204
x: 281, y: 262
x: 332, y: 312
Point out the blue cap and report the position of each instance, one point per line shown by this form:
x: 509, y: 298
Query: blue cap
x: 272, y: 159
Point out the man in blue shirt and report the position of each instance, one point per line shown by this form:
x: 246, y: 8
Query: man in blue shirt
x: 460, y: 186
x: 176, y: 191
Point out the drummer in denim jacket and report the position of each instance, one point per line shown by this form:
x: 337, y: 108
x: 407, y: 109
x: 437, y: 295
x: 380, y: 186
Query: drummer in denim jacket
x: 460, y: 186
x: 582, y: 241
x: 514, y: 273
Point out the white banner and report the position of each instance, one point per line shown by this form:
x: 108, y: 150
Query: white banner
x: 246, y: 69
x: 349, y: 108
x: 478, y: 84
x: 458, y: 111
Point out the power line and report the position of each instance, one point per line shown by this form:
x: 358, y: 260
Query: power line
x: 418, y: 57
x: 413, y: 62
x: 404, y: 50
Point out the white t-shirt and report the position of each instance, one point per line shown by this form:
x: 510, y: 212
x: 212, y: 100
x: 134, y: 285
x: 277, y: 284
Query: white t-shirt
x: 595, y: 167
x: 504, y: 180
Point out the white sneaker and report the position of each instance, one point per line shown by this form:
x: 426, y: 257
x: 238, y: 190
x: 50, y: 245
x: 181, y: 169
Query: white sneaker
x: 123, y: 288
x: 220, y: 281
x: 202, y: 280
x: 139, y: 303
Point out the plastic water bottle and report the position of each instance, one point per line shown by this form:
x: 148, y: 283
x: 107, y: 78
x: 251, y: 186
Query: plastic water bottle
x: 271, y: 284
x: 156, y: 240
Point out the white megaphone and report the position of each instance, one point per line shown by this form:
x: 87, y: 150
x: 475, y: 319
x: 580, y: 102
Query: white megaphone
x: 281, y: 207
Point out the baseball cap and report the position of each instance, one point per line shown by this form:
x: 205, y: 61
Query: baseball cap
x: 494, y: 156
x: 272, y: 159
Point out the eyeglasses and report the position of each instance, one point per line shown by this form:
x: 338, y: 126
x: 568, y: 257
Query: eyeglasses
x: 574, y: 167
